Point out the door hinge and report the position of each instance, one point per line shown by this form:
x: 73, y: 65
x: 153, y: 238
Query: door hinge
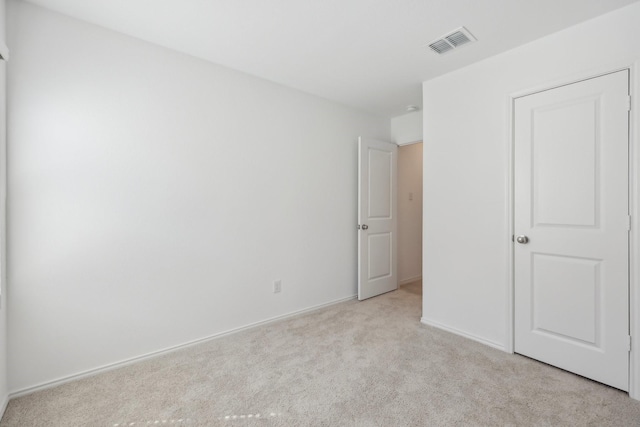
x: 358, y: 226
x: 629, y: 106
x: 629, y: 224
x: 629, y: 343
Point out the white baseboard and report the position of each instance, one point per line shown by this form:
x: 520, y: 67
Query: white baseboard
x: 122, y: 363
x: 463, y: 334
x: 3, y: 406
x: 410, y: 280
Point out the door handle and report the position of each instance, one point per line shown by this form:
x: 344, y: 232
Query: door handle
x: 522, y: 239
x: 365, y: 227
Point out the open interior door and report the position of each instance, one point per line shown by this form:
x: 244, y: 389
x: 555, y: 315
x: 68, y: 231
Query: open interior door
x: 377, y: 218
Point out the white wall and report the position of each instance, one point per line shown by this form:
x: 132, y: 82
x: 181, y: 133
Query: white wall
x: 466, y: 145
x: 407, y: 128
x: 3, y: 170
x: 154, y: 197
x: 409, y: 213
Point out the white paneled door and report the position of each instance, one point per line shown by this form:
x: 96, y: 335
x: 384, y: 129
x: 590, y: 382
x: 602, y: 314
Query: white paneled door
x: 572, y: 228
x: 377, y: 219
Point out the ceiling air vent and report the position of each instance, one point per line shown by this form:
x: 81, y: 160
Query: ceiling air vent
x: 453, y: 40
x: 441, y: 46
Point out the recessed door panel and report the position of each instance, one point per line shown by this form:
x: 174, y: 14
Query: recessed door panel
x: 380, y: 252
x: 565, y: 163
x: 566, y: 297
x: 380, y: 181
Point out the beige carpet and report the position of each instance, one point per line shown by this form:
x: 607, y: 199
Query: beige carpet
x: 354, y: 364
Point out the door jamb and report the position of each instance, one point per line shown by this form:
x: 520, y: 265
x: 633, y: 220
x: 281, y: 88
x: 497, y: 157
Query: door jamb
x: 634, y: 209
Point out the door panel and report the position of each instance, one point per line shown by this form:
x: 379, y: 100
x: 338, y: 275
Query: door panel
x: 380, y: 182
x: 571, y: 201
x: 380, y: 254
x: 562, y: 198
x: 566, y: 297
x: 377, y: 219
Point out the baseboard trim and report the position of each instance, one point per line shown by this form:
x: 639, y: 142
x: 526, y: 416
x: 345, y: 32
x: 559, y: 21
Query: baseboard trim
x: 3, y: 406
x: 410, y: 280
x: 151, y: 355
x: 467, y: 335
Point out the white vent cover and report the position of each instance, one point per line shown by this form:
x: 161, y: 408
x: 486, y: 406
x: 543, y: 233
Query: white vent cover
x: 452, y: 40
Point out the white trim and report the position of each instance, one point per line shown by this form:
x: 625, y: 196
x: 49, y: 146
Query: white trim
x: 509, y: 338
x: 3, y: 406
x: 467, y: 335
x: 634, y: 205
x: 409, y: 280
x: 153, y: 354
x: 634, y: 244
x: 402, y: 144
x: 592, y: 73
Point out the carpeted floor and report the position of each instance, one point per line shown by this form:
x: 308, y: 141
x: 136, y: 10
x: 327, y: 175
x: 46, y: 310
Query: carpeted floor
x: 365, y: 363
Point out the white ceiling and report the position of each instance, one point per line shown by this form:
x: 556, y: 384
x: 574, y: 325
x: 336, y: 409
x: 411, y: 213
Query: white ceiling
x: 368, y: 54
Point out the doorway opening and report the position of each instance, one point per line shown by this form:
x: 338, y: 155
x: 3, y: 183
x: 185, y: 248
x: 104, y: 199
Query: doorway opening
x: 410, y: 217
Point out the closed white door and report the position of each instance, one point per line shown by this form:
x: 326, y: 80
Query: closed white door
x: 571, y: 228
x: 377, y: 219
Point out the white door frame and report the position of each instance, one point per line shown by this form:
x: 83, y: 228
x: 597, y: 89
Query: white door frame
x: 634, y: 204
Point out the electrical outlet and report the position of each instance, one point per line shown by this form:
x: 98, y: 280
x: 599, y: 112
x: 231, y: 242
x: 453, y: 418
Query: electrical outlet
x: 277, y: 286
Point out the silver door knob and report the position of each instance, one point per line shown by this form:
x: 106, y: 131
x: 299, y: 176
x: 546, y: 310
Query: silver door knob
x: 365, y: 227
x: 522, y: 239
